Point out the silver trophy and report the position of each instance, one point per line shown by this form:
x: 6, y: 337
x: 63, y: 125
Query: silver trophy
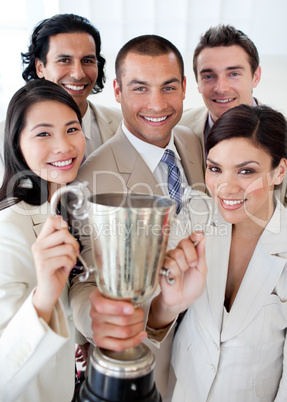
x: 126, y: 236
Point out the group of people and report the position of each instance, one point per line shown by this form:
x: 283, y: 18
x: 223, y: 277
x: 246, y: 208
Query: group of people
x: 230, y: 284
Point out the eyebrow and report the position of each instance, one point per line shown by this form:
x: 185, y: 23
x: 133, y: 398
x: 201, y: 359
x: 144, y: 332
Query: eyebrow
x: 51, y: 125
x: 210, y: 70
x: 88, y: 56
x: 139, y: 82
x: 238, y: 166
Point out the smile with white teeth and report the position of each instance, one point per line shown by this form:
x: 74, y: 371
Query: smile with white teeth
x: 223, y: 100
x: 154, y: 119
x: 233, y: 202
x: 62, y: 163
x: 75, y: 87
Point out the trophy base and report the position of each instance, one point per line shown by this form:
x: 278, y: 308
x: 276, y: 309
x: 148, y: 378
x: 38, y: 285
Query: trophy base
x: 120, y: 377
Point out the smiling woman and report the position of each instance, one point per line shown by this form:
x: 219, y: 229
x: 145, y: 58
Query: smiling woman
x: 44, y: 147
x: 232, y: 340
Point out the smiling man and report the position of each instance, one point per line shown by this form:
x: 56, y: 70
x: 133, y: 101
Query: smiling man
x: 226, y: 68
x: 66, y: 49
x: 150, y: 86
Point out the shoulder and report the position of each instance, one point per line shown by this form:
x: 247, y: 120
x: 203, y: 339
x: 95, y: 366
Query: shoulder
x: 184, y: 134
x: 16, y: 228
x: 106, y: 113
x: 193, y: 116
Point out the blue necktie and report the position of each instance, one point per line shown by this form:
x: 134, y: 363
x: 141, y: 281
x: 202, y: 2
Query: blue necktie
x: 174, y: 178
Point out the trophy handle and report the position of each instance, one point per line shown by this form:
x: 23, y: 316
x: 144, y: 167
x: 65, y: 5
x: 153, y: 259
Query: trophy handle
x: 78, y: 190
x: 165, y: 272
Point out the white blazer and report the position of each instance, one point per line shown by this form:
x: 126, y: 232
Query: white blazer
x: 36, y: 360
x: 237, y: 356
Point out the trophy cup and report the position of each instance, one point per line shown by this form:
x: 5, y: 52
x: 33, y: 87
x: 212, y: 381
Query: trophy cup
x: 127, y: 235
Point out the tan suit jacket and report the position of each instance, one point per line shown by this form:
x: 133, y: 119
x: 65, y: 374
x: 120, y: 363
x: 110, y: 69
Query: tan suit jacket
x: 195, y: 119
x: 117, y: 166
x: 108, y: 120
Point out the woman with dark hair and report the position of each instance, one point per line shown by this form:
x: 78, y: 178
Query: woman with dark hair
x: 231, y: 342
x: 44, y: 146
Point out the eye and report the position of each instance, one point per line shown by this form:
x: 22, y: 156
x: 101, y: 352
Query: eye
x: 167, y: 89
x: 214, y: 169
x: 64, y: 60
x: 140, y: 89
x: 89, y: 61
x: 43, y: 134
x: 73, y: 129
x: 246, y: 171
x: 207, y: 77
x: 234, y: 74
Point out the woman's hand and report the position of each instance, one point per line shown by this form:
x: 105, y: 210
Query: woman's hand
x: 116, y: 325
x: 82, y: 353
x: 187, y: 266
x: 55, y: 253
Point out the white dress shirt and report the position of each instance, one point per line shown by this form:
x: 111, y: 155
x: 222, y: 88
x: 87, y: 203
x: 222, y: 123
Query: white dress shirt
x: 152, y: 155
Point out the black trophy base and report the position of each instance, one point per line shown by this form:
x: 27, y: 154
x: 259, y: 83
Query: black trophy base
x: 115, y: 390
x: 131, y: 384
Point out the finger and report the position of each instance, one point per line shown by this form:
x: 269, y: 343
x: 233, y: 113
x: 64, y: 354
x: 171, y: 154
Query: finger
x: 119, y: 345
x: 57, y: 251
x: 51, y: 265
x: 52, y: 224
x: 56, y: 238
x: 108, y: 306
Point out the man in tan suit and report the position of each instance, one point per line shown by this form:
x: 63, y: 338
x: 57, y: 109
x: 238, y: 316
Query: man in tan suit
x: 66, y: 49
x: 226, y: 68
x: 150, y: 86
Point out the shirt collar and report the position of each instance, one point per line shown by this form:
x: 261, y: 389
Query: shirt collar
x: 151, y: 154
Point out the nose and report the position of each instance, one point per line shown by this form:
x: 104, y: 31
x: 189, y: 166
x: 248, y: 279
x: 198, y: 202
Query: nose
x: 156, y: 101
x: 77, y: 70
x: 221, y: 85
x: 63, y: 144
x: 226, y: 187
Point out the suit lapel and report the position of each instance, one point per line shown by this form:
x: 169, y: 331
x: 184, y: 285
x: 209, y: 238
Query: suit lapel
x: 131, y: 166
x: 189, y: 151
x: 262, y: 275
x: 217, y: 257
x: 104, y: 122
x: 39, y: 216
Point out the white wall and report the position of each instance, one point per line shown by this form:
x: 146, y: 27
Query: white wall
x: 181, y: 21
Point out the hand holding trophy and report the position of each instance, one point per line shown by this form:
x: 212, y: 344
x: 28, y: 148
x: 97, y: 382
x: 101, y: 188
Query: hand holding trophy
x: 128, y: 236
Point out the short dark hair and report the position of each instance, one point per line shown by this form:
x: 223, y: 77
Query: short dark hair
x: 264, y: 126
x: 60, y: 24
x: 17, y: 171
x: 226, y: 35
x: 150, y: 45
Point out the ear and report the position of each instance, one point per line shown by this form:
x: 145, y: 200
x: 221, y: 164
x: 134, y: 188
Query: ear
x: 184, y: 86
x: 117, y: 90
x: 280, y: 172
x: 256, y: 77
x: 40, y: 69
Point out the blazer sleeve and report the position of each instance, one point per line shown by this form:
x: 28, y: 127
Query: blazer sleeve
x: 27, y: 343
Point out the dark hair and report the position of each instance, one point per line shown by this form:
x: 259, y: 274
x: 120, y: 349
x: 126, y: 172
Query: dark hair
x: 20, y: 183
x: 60, y: 24
x: 226, y: 35
x: 150, y: 45
x: 264, y: 126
